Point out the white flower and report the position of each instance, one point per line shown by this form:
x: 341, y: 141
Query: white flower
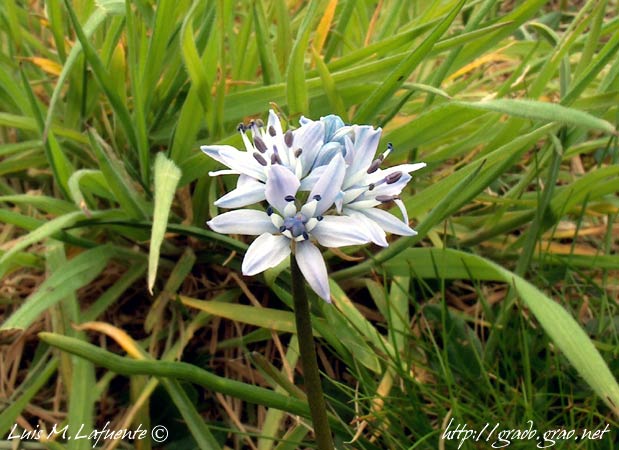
x: 286, y: 226
x: 365, y: 184
x: 269, y: 146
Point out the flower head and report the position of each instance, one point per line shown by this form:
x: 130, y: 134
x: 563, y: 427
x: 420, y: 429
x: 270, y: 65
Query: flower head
x: 288, y: 224
x: 323, y: 185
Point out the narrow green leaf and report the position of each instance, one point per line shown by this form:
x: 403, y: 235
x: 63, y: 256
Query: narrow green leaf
x: 78, y: 272
x: 167, y: 176
x: 103, y: 78
x: 565, y: 332
x: 547, y: 112
x: 335, y: 100
x: 296, y: 90
x: 272, y: 319
x: 370, y: 107
x: 180, y: 371
x: 118, y: 179
x: 37, y: 378
x: 40, y: 233
x: 268, y: 63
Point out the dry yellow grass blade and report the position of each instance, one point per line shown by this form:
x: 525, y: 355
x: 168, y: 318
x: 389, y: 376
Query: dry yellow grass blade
x: 323, y: 27
x: 48, y: 66
x: 120, y: 336
x: 485, y: 59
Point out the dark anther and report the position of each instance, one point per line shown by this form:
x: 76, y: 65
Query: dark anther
x: 260, y: 145
x: 375, y: 165
x: 317, y: 197
x: 289, y: 198
x: 371, y: 186
x: 387, y: 198
x: 319, y: 218
x: 269, y: 210
x: 393, y: 177
x: 298, y: 152
x: 275, y: 159
x: 272, y: 130
x: 240, y: 127
x: 260, y: 159
x: 288, y: 137
x: 384, y: 198
x: 282, y: 229
x: 305, y: 235
x: 259, y: 123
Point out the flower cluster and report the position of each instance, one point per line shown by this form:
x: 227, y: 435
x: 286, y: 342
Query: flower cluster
x: 323, y: 184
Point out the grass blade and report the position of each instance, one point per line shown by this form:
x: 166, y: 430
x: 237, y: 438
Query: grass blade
x: 167, y: 176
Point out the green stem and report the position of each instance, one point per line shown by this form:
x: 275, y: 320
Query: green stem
x: 309, y: 362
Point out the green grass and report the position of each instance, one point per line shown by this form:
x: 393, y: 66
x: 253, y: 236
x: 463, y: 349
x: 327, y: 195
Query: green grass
x: 502, y: 310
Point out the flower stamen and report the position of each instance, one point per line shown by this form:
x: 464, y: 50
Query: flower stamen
x: 259, y: 144
x: 260, y: 159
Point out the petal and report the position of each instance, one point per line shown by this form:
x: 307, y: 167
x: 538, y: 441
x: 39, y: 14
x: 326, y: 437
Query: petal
x: 273, y: 121
x: 214, y: 151
x: 304, y: 121
x: 242, y: 221
x: 326, y: 153
x: 313, y: 269
x: 332, y: 124
x: 277, y: 140
x: 389, y: 189
x: 309, y: 138
x: 246, y: 194
x: 265, y: 252
x: 373, y: 231
x: 329, y: 184
x: 281, y: 182
x: 366, y: 143
x: 310, y: 180
x: 404, y: 168
x: 339, y: 231
x: 388, y: 222
x: 242, y: 162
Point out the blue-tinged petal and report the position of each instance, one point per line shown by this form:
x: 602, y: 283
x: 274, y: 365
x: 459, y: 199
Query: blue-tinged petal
x: 281, y: 182
x: 373, y: 231
x: 340, y: 231
x: 313, y: 268
x: 326, y: 153
x: 265, y: 252
x: 388, y: 222
x: 242, y: 221
x: 332, y: 124
x: 349, y: 153
x: 246, y: 194
x: 329, y: 184
x: 310, y: 180
x: 309, y: 139
x: 304, y: 121
x: 366, y: 143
